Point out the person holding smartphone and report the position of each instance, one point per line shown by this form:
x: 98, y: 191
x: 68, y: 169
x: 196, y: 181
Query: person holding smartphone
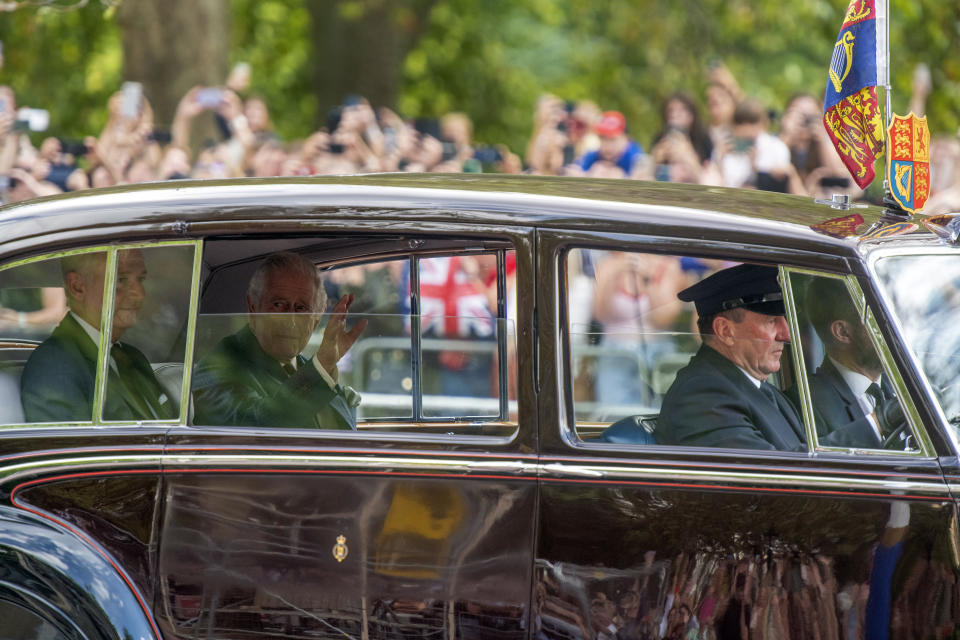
x: 755, y: 158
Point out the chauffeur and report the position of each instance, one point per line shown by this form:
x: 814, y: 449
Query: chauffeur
x: 721, y: 398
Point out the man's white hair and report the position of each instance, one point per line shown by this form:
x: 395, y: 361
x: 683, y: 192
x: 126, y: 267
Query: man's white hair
x: 287, y: 263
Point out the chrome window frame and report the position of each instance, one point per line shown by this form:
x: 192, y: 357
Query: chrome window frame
x: 568, y: 425
x: 106, y: 320
x: 926, y: 449
x: 416, y: 337
x: 496, y: 246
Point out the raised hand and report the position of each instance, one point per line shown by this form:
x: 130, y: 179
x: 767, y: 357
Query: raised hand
x: 337, y: 340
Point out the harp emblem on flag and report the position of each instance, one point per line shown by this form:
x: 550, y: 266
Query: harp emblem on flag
x: 842, y: 60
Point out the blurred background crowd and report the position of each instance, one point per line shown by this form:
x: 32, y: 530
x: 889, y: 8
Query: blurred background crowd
x: 732, y: 140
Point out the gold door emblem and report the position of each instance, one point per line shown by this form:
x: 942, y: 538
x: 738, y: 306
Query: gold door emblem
x: 340, y: 549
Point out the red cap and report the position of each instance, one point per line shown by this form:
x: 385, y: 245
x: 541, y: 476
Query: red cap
x: 611, y: 124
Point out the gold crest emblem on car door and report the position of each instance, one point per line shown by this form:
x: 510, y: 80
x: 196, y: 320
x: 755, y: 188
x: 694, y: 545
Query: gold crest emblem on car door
x: 340, y: 549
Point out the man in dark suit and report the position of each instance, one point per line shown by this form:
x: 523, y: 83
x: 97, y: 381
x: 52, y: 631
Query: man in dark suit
x: 721, y: 398
x: 846, y: 388
x: 58, y: 380
x: 258, y: 377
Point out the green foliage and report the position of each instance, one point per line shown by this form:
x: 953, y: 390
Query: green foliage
x: 68, y: 62
x: 492, y: 58
x: 274, y: 37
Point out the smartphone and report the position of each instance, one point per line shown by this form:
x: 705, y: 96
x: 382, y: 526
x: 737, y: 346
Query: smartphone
x: 449, y: 151
x: 767, y: 182
x: 840, y: 182
x: 742, y: 145
x: 75, y: 148
x: 487, y: 155
x: 209, y: 97
x: 32, y: 119
x: 160, y: 136
x: 132, y: 95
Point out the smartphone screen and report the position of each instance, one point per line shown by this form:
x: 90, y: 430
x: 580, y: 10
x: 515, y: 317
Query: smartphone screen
x: 132, y: 94
x: 209, y: 97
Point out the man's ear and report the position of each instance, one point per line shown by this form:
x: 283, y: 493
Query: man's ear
x: 840, y: 330
x: 75, y: 285
x: 251, y: 308
x: 723, y: 329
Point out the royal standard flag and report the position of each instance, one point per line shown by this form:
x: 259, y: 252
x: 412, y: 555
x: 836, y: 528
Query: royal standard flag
x: 908, y: 164
x: 851, y: 112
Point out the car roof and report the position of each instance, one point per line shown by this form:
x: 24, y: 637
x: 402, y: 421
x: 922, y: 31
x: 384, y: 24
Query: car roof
x: 630, y: 206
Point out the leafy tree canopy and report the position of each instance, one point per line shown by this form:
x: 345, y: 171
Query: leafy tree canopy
x: 492, y: 58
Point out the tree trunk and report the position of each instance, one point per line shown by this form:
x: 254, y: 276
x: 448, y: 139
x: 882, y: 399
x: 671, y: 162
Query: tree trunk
x: 364, y: 53
x: 171, y: 46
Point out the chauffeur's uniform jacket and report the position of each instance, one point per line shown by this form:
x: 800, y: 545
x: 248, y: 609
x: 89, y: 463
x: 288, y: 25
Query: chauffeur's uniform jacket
x: 713, y: 404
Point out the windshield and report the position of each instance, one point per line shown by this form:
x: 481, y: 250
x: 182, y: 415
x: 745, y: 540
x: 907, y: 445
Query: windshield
x: 925, y: 291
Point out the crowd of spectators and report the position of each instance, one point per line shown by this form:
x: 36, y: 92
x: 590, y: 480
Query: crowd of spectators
x: 738, y: 141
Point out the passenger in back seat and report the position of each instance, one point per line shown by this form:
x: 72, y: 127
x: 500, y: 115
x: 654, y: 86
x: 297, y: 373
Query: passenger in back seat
x: 58, y: 380
x: 258, y: 377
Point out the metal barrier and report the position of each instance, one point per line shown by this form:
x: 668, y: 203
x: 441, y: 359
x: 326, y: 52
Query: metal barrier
x: 453, y: 406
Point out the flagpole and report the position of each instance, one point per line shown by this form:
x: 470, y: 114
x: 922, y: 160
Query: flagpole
x: 886, y: 90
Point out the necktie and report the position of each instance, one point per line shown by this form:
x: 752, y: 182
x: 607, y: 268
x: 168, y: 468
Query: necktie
x: 136, y: 392
x: 874, y: 392
x: 288, y: 368
x: 770, y: 393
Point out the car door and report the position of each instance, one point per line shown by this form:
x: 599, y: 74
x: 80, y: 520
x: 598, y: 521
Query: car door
x: 84, y: 435
x: 710, y: 542
x: 416, y: 524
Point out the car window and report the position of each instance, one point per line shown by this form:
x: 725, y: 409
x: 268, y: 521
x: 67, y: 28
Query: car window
x: 379, y: 364
x: 641, y: 372
x: 50, y: 326
x: 460, y: 336
x: 33, y: 303
x: 399, y: 343
x: 923, y: 291
x: 151, y: 306
x: 848, y: 387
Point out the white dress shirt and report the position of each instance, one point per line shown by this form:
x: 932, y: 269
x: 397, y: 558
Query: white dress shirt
x: 858, y: 385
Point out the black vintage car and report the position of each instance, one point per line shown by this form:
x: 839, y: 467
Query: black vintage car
x: 503, y: 475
